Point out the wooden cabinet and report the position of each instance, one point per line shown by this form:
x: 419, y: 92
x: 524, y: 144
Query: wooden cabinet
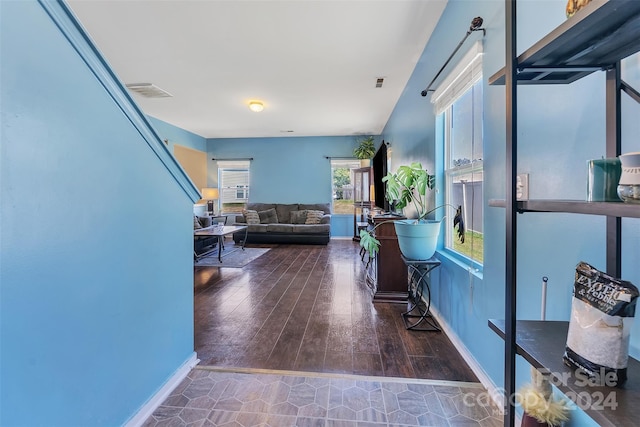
x: 387, y: 273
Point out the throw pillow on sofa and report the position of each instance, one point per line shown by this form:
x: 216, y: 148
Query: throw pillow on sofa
x: 196, y: 223
x: 298, y: 217
x: 251, y: 217
x: 314, y: 217
x: 268, y: 217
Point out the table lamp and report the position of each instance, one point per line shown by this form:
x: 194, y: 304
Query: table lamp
x: 210, y: 194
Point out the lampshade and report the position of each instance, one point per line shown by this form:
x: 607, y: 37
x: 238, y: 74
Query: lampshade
x: 256, y: 106
x: 210, y: 193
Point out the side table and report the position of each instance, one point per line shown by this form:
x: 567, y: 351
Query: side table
x: 420, y: 295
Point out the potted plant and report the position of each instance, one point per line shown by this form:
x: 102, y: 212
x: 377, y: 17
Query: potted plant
x: 417, y: 237
x: 365, y: 149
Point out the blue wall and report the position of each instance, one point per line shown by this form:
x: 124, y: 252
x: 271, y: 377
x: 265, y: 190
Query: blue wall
x: 284, y: 170
x: 96, y: 279
x: 288, y: 169
x: 96, y: 247
x: 175, y: 135
x: 560, y: 128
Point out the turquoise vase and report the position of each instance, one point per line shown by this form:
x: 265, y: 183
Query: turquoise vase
x: 417, y: 241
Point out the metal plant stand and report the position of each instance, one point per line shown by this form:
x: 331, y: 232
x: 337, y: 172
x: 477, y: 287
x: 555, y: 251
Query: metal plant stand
x: 420, y: 295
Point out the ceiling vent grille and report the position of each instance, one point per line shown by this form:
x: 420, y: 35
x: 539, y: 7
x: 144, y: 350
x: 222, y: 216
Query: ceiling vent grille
x: 379, y: 82
x: 148, y: 90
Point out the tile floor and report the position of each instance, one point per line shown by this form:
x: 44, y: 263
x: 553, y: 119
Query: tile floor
x: 249, y: 397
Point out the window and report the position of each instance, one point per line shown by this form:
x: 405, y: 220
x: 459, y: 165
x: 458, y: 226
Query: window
x: 233, y: 179
x: 242, y: 192
x: 459, y: 101
x: 342, y: 185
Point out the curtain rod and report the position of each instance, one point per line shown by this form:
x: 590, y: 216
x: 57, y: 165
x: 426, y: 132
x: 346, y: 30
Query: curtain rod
x: 234, y: 159
x: 476, y: 24
x: 340, y: 158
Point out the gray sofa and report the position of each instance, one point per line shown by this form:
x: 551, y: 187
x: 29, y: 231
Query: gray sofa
x: 285, y: 223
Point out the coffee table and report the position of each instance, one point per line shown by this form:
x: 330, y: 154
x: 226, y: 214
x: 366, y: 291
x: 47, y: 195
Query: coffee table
x: 220, y: 232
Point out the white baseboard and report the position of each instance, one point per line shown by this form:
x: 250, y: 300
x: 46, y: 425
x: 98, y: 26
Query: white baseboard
x: 156, y: 400
x: 494, y: 392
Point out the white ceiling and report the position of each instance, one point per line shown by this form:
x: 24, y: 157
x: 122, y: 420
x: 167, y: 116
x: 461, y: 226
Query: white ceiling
x: 314, y: 63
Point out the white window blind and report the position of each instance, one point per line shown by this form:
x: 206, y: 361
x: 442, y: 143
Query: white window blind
x: 460, y: 79
x: 234, y: 180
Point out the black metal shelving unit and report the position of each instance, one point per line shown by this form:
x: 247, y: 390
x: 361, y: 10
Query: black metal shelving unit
x: 573, y: 206
x: 622, y: 407
x: 596, y: 38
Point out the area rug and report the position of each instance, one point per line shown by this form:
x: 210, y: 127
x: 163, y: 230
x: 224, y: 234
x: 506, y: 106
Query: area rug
x: 236, y: 259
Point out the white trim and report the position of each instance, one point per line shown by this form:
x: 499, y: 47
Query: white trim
x: 354, y: 377
x: 494, y: 391
x: 156, y: 400
x: 465, y: 74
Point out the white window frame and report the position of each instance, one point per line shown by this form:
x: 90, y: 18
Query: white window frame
x: 462, y: 78
x: 229, y: 192
x: 350, y: 164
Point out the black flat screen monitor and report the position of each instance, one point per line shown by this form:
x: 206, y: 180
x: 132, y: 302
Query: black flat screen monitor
x: 379, y: 165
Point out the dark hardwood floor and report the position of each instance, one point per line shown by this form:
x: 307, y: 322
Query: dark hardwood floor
x: 308, y: 308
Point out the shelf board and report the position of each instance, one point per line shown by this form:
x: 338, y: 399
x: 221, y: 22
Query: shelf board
x: 363, y: 204
x: 618, y: 209
x: 542, y: 344
x: 595, y: 38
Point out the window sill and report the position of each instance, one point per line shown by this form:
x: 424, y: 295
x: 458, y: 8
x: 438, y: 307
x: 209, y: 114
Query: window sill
x: 463, y: 262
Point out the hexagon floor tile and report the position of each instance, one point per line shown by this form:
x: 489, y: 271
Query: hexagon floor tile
x: 220, y: 397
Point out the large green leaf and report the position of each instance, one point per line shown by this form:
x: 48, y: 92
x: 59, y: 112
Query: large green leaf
x: 369, y: 243
x: 409, y: 185
x: 393, y: 188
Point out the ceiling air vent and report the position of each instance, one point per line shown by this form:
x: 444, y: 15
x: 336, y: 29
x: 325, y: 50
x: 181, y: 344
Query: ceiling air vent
x: 379, y: 82
x: 148, y: 90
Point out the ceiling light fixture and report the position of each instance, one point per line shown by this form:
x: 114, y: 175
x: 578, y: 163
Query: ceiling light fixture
x: 256, y: 106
